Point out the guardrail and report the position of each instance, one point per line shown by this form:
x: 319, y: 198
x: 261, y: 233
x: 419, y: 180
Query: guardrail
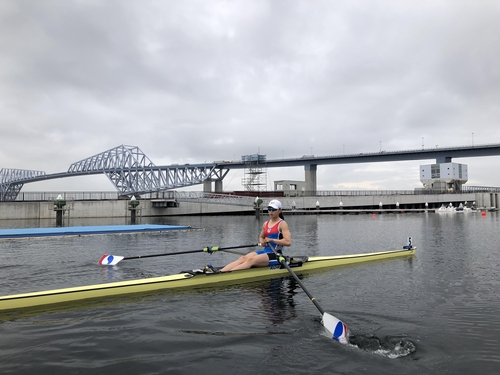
x: 68, y: 196
x: 480, y: 189
x: 228, y: 198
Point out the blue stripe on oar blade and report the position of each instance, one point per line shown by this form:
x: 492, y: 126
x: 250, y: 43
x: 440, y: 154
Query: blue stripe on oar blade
x: 337, y: 328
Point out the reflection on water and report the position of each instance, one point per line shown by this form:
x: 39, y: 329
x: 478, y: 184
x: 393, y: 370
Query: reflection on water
x: 276, y: 300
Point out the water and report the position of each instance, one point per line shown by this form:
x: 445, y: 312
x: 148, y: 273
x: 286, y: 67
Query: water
x: 436, y: 313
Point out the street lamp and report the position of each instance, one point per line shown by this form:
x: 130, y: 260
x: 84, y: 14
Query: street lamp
x: 472, y: 139
x: 422, y: 143
x: 380, y: 146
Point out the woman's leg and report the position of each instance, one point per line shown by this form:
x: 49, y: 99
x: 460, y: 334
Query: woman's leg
x: 237, y: 262
x: 247, y: 261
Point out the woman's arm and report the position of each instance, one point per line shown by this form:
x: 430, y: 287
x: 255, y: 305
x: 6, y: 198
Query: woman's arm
x: 262, y: 236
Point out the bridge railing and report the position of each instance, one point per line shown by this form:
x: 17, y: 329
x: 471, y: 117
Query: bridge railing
x: 219, y: 198
x: 330, y: 193
x: 228, y: 198
x: 32, y: 196
x: 480, y: 189
x: 186, y: 196
x: 202, y: 197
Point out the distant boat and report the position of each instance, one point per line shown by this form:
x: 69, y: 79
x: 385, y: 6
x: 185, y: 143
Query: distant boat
x: 451, y: 209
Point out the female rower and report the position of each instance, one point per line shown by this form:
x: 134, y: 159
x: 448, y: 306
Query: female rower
x: 275, y: 232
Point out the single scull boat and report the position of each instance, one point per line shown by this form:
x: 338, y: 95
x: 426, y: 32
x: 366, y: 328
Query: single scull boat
x: 195, y: 278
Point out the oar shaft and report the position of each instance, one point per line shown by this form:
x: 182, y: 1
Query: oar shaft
x: 208, y: 249
x: 234, y: 252
x: 336, y: 327
x: 282, y: 260
x: 161, y: 255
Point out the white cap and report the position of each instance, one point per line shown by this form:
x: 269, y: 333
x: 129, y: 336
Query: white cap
x: 275, y: 204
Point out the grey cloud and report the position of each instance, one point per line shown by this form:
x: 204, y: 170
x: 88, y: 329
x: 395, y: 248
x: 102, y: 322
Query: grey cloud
x: 199, y: 81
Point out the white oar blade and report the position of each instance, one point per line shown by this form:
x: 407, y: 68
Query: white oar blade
x: 337, y: 328
x: 110, y: 260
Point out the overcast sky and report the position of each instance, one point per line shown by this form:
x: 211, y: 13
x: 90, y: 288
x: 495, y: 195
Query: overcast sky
x: 198, y: 81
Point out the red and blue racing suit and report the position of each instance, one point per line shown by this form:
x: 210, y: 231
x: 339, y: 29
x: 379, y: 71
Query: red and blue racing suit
x: 274, y: 233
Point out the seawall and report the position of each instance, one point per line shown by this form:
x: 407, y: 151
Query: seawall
x: 119, y: 208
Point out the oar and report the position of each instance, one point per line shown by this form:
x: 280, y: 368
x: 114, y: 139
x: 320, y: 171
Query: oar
x: 111, y: 260
x: 336, y: 327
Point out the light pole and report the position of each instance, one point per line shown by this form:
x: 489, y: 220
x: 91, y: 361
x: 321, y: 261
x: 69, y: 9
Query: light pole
x: 343, y: 149
x: 422, y: 143
x: 472, y: 139
x: 380, y: 146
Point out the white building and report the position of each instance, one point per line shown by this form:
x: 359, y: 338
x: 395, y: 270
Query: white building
x: 444, y: 176
x: 290, y: 188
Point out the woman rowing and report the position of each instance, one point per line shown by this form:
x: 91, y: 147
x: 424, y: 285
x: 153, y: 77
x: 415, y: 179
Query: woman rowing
x: 274, y: 234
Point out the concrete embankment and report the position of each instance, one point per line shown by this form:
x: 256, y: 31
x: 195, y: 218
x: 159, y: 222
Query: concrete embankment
x: 120, y: 208
x: 111, y: 209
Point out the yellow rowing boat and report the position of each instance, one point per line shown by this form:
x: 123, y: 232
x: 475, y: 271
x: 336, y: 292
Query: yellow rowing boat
x: 188, y: 279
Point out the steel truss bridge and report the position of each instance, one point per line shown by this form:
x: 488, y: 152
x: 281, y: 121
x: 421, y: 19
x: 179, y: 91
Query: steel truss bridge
x: 133, y: 173
x: 128, y: 169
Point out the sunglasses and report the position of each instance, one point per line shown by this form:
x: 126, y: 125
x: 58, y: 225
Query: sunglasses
x: 272, y: 209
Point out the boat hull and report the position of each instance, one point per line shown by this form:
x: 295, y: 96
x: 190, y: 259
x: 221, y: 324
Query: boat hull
x: 185, y: 280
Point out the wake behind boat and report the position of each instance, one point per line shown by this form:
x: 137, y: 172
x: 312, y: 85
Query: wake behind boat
x: 190, y: 279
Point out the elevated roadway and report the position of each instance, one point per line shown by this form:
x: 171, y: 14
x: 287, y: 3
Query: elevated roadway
x: 441, y: 155
x: 132, y: 172
x: 310, y: 162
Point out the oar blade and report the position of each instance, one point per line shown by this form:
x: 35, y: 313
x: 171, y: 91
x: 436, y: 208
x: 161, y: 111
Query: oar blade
x: 110, y: 260
x: 337, y: 328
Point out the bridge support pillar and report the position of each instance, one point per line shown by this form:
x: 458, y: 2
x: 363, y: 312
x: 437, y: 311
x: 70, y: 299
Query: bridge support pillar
x: 310, y: 178
x: 218, y: 186
x: 207, y: 186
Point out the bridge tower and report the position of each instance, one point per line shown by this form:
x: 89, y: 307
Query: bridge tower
x: 11, y: 181
x: 255, y: 173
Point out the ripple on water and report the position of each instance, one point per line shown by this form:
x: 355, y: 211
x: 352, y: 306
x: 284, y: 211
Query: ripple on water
x: 390, y: 347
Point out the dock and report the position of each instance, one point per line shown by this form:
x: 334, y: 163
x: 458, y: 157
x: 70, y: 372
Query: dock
x: 86, y: 230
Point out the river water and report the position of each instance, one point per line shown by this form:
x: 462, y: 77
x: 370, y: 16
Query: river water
x: 434, y: 313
